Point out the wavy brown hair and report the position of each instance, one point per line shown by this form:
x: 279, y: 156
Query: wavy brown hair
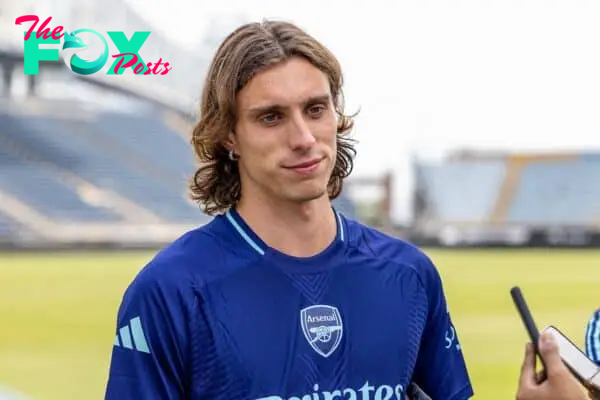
x: 248, y: 50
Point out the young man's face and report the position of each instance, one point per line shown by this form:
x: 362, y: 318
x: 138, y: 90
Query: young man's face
x: 286, y: 132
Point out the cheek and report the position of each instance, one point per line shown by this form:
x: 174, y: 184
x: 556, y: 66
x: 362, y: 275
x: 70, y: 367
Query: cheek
x: 327, y: 134
x: 260, y: 155
x: 328, y: 128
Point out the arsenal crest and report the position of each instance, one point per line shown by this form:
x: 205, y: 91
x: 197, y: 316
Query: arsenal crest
x: 322, y: 328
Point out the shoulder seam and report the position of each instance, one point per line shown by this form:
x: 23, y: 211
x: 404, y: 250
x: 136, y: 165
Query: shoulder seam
x: 202, y: 283
x: 410, y: 266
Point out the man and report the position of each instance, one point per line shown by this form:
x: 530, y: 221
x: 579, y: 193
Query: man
x: 560, y: 383
x: 281, y: 297
x: 592, y: 337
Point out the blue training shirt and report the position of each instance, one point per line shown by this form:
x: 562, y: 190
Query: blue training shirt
x: 220, y: 315
x: 592, y: 337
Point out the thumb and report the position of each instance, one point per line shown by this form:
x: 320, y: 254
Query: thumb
x: 527, y: 378
x: 550, y: 353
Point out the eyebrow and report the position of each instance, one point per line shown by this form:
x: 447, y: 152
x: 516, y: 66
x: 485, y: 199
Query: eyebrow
x: 256, y: 111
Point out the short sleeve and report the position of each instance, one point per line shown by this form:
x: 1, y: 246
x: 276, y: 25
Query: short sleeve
x: 440, y: 369
x: 151, y: 350
x: 592, y: 337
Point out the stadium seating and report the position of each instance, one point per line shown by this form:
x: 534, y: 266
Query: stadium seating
x: 39, y: 188
x: 558, y: 192
x: 17, y: 141
x: 7, y: 226
x: 463, y: 191
x: 149, y: 137
x: 100, y: 160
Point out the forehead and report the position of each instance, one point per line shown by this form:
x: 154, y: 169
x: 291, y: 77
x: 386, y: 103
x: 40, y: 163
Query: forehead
x: 288, y: 83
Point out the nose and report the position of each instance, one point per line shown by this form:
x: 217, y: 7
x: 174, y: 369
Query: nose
x: 300, y: 136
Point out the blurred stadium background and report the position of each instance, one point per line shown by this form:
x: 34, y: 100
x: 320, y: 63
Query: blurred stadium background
x: 93, y: 175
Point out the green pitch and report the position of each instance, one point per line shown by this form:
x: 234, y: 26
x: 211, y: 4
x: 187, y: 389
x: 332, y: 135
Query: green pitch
x: 58, y: 313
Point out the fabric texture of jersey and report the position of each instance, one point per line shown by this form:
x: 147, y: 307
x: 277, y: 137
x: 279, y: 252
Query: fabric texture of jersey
x: 220, y: 315
x: 592, y: 337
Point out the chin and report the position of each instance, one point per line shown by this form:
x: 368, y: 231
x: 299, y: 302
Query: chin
x: 306, y: 194
x: 301, y: 191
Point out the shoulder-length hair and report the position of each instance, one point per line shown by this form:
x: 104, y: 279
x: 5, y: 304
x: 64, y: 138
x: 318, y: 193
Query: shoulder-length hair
x: 249, y: 49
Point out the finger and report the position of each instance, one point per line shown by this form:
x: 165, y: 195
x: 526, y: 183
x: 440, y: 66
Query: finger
x: 540, y: 376
x: 550, y: 353
x: 593, y: 393
x: 528, y: 367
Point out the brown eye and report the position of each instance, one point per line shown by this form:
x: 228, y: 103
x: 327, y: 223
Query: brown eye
x: 316, y: 110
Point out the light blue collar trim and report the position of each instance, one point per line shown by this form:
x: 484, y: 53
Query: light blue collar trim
x: 244, y: 235
x: 259, y: 250
x: 340, y: 225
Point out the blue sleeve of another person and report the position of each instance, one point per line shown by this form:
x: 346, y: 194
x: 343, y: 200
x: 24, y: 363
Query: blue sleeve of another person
x: 152, y: 350
x: 592, y: 337
x: 441, y: 369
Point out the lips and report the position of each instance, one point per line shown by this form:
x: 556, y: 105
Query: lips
x: 306, y: 164
x: 306, y: 167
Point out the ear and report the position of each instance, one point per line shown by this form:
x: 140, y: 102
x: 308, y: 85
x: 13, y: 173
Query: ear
x: 231, y: 143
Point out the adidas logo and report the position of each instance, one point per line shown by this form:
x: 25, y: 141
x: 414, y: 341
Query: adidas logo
x: 132, y: 337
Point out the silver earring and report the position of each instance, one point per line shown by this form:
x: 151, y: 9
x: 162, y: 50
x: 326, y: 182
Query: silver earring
x: 231, y: 155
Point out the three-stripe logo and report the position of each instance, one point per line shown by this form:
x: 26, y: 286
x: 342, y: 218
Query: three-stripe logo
x: 132, y: 337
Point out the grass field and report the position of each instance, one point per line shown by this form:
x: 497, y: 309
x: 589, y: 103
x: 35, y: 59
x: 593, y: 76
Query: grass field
x: 58, y: 313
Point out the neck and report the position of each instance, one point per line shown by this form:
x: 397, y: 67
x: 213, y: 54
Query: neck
x: 295, y: 229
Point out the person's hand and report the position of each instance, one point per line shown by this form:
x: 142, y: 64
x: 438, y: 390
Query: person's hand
x: 559, y: 384
x: 593, y: 394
